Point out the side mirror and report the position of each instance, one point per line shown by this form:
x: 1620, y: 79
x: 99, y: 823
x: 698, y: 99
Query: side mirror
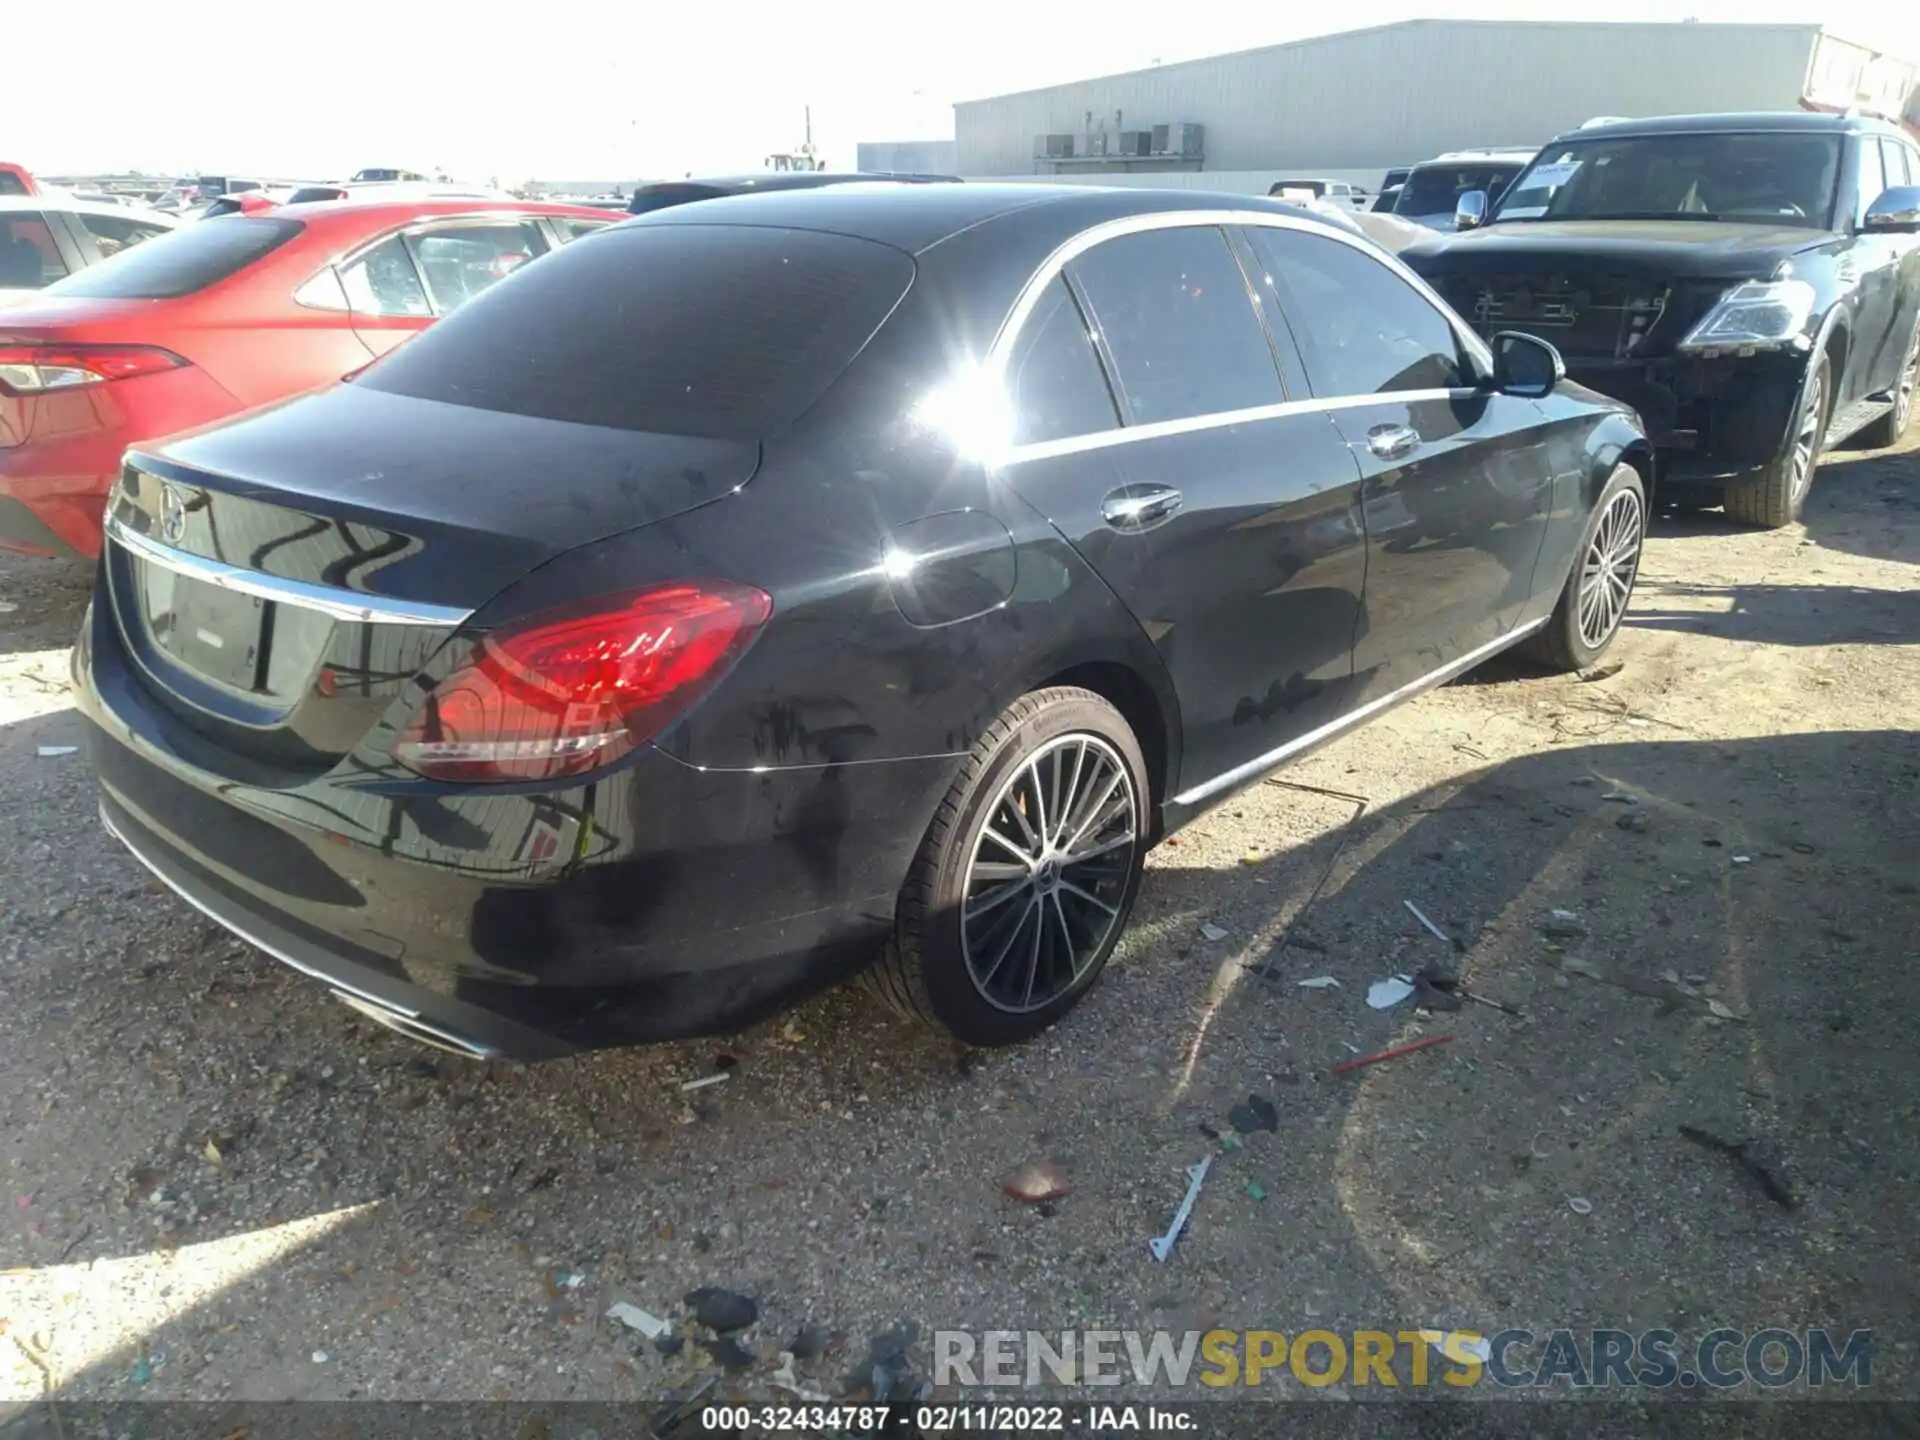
x: 1525, y: 365
x: 1896, y: 212
x: 1470, y: 210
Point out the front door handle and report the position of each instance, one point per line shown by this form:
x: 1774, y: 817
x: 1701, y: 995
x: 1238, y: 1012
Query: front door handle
x: 1390, y: 442
x: 1134, y: 508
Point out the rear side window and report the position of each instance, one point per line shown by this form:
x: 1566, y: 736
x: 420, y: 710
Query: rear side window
x: 1179, y: 323
x: 1362, y: 330
x: 114, y: 233
x: 1054, y: 380
x: 29, y: 255
x: 182, y: 261
x: 722, y: 332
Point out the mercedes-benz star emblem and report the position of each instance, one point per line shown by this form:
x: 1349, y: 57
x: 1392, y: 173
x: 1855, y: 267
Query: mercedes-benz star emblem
x: 173, y: 515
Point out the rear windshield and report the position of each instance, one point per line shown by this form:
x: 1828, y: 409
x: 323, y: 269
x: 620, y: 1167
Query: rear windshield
x: 181, y: 261
x: 723, y: 332
x: 308, y: 194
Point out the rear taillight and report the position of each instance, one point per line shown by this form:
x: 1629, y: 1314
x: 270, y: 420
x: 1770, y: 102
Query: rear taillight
x: 36, y: 369
x: 570, y: 691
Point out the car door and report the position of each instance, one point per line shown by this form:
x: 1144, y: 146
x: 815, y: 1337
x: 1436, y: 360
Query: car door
x: 1224, y: 515
x: 402, y: 284
x: 1873, y: 263
x: 1457, y: 489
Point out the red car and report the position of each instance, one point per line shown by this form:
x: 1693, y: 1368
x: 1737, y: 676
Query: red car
x: 219, y: 317
x: 16, y: 180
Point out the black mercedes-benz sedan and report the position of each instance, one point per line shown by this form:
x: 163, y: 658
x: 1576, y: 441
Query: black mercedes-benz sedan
x: 758, y: 589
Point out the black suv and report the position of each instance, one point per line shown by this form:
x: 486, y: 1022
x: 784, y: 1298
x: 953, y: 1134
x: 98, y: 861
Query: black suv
x: 1750, y: 283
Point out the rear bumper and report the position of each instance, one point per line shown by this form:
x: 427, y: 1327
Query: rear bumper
x: 655, y: 903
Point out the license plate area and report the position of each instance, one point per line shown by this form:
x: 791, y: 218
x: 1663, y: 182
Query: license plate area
x: 217, y: 634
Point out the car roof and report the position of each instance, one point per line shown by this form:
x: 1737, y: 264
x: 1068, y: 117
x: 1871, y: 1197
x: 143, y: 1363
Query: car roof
x: 782, y: 180
x: 10, y: 204
x: 391, y: 206
x: 1747, y: 122
x: 915, y: 218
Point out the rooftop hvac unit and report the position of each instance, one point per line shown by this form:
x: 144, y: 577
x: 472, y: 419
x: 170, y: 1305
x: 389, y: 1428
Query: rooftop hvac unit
x: 1096, y: 143
x: 1135, y: 143
x: 1052, y: 147
x: 1185, y: 140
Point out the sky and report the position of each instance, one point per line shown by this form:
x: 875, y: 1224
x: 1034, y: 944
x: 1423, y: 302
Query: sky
x: 590, y: 89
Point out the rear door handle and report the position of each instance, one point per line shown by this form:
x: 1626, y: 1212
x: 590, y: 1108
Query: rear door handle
x: 1390, y: 442
x: 1134, y: 508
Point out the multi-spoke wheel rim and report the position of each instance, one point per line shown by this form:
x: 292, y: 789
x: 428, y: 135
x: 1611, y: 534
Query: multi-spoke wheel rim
x: 1806, y: 441
x: 1613, y: 559
x: 1049, y: 873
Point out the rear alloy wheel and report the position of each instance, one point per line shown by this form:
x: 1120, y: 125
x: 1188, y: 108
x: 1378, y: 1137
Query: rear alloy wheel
x: 1027, y: 876
x: 1598, y: 589
x: 1777, y: 497
x: 1885, y: 432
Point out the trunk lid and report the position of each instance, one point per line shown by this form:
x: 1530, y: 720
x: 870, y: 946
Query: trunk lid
x: 278, y: 581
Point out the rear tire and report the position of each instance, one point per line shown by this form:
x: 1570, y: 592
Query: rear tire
x: 1776, y: 499
x: 1600, y: 583
x: 1027, y: 875
x: 1885, y: 433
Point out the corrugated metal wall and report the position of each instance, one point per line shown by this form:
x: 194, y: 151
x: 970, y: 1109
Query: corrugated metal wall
x: 1369, y: 99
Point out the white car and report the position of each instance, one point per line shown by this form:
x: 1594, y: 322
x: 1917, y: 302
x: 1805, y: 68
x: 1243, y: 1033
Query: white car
x: 44, y: 238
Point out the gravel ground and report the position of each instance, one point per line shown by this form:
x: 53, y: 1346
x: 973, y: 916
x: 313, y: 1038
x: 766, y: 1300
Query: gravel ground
x: 217, y: 1184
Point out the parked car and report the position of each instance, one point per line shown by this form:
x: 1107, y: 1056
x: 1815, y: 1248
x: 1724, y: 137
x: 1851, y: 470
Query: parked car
x: 221, y: 316
x: 1750, y: 283
x: 1431, y: 193
x: 391, y: 190
x: 382, y: 174
x: 664, y: 194
x: 17, y: 180
x: 758, y: 584
x: 1383, y: 202
x: 1351, y: 197
x: 43, y: 239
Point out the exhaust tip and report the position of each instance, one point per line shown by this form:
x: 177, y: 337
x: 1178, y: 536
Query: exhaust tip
x: 401, y: 1023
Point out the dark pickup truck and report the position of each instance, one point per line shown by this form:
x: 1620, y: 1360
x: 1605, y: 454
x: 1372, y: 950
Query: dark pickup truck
x: 1749, y: 283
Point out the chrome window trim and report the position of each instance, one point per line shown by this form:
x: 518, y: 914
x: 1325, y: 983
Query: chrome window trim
x: 1253, y: 769
x: 327, y: 599
x: 417, y: 227
x: 1050, y: 269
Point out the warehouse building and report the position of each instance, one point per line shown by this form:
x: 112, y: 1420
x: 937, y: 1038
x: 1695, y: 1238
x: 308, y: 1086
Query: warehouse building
x: 1352, y: 105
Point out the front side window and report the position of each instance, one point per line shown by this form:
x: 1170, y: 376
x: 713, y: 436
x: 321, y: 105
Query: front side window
x: 1054, y: 380
x: 461, y: 261
x: 1780, y: 178
x: 1362, y: 330
x: 1436, y: 189
x: 1179, y: 323
x: 29, y: 256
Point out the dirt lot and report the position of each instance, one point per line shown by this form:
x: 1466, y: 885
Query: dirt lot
x: 215, y: 1183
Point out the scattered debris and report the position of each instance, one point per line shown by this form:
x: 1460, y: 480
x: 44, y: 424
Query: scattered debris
x: 320, y: 1357
x: 809, y: 1343
x: 787, y: 1380
x: 669, y: 1344
x: 1579, y: 1205
x: 1351, y: 1046
x: 1162, y: 1245
x: 1621, y: 797
x: 1724, y: 1011
x: 7, y: 607
x: 54, y: 752
x: 1256, y: 1190
x: 1563, y: 925
x: 1601, y: 672
x: 1394, y: 1054
x: 706, y: 1080
x: 1432, y: 929
x: 1385, y: 994
x: 1634, y: 823
x: 722, y: 1310
x: 1320, y: 982
x: 1753, y: 1165
x: 141, y: 1373
x: 1438, y: 988
x: 634, y: 1318
x: 1743, y: 859
x: 1257, y: 1113
x: 1229, y: 1142
x: 1212, y: 931
x: 730, y: 1353
x: 1035, y: 1181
